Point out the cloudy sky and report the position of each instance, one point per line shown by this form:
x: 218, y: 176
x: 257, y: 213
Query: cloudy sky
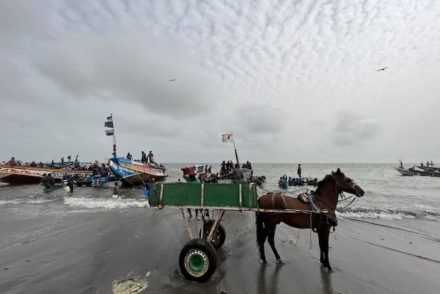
x: 295, y: 81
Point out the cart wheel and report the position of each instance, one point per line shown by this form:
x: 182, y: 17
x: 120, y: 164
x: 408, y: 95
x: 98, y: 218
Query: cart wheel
x: 218, y: 237
x: 198, y: 260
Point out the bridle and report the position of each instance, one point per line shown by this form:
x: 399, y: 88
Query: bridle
x: 339, y: 192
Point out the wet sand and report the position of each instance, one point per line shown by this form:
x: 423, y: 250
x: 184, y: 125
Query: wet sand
x: 110, y: 251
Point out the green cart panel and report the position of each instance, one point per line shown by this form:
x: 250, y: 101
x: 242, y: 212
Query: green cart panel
x: 235, y: 195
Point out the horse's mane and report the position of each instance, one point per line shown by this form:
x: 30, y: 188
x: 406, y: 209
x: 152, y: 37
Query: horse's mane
x: 323, y: 181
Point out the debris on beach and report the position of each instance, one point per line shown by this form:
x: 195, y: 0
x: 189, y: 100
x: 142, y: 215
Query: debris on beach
x: 130, y: 285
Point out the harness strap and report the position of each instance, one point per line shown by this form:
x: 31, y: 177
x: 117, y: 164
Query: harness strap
x: 312, y: 204
x: 284, y: 201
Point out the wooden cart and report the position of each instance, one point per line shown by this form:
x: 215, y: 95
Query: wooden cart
x: 198, y: 258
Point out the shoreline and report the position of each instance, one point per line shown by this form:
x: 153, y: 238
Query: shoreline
x: 91, y: 252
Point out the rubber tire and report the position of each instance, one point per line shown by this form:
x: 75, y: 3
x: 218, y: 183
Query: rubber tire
x: 219, y: 234
x: 198, y: 248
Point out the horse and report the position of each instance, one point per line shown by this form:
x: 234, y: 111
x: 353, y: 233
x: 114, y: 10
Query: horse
x: 318, y: 215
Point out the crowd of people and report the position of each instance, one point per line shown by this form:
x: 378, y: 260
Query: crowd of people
x: 144, y: 157
x: 428, y: 164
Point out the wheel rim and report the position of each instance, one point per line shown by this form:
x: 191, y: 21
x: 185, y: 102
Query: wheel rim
x: 196, y: 262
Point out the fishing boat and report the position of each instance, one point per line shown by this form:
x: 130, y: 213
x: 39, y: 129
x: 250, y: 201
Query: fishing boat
x: 297, y: 181
x: 283, y: 183
x: 192, y: 173
x: 132, y: 172
x: 21, y: 175
x: 417, y: 171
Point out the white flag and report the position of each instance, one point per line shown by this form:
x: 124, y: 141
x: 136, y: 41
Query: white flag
x: 226, y: 138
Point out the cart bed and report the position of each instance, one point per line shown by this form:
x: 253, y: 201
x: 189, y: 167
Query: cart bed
x: 241, y: 196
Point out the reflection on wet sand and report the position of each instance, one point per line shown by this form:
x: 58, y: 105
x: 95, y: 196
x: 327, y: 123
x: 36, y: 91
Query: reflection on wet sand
x: 326, y: 281
x: 268, y: 283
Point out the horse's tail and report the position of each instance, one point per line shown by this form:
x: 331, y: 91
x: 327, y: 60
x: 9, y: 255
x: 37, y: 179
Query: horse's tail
x: 260, y: 227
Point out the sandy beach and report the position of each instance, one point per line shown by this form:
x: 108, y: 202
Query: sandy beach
x: 138, y: 248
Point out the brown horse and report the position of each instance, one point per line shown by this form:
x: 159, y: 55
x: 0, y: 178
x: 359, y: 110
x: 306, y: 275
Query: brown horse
x: 318, y: 215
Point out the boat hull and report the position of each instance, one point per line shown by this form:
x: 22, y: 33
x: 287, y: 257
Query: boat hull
x: 417, y: 172
x: 24, y: 175
x: 133, y: 173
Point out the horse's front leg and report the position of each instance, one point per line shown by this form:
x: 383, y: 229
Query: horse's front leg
x: 323, y: 235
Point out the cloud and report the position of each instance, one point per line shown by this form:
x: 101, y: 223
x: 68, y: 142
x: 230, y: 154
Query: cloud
x: 261, y: 119
x: 273, y: 72
x: 113, y: 67
x: 353, y: 129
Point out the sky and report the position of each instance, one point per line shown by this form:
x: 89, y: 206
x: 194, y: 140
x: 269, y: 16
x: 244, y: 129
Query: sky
x: 294, y: 81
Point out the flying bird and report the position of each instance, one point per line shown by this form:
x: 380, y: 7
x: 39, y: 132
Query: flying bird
x: 382, y: 69
x: 172, y: 80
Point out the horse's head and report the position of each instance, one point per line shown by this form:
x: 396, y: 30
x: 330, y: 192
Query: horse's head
x: 345, y: 184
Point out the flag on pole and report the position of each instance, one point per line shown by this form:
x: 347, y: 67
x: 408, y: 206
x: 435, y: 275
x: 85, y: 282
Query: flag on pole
x: 109, y: 117
x: 108, y: 124
x: 110, y: 132
x: 227, y: 138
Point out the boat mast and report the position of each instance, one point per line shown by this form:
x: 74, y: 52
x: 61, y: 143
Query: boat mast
x: 114, y: 138
x: 111, y: 131
x: 235, y: 149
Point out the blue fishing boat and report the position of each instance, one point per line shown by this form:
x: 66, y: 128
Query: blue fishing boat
x: 132, y: 172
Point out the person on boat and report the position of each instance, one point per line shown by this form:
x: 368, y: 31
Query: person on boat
x: 33, y: 164
x: 427, y: 163
x: 421, y: 164
x: 299, y: 170
x: 62, y: 160
x: 401, y: 164
x: 237, y: 173
x: 223, y: 168
x: 432, y: 163
x: 143, y: 157
x: 150, y: 157
x: 129, y: 156
x: 12, y: 162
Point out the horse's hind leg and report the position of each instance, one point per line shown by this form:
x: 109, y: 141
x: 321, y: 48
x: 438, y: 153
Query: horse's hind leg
x: 271, y: 240
x: 261, y: 236
x: 323, y: 235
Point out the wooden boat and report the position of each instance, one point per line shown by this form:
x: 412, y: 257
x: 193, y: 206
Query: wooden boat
x: 417, y: 171
x: 20, y: 175
x: 135, y: 173
x: 132, y: 172
x: 283, y: 183
x: 191, y: 173
x: 297, y: 181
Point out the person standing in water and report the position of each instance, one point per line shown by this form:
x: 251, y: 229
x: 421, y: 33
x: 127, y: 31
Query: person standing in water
x: 299, y: 171
x: 116, y: 191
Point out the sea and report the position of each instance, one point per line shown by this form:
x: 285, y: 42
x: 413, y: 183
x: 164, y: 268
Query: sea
x: 87, y: 241
x: 388, y: 195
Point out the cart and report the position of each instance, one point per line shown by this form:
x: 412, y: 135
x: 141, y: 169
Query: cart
x: 198, y: 258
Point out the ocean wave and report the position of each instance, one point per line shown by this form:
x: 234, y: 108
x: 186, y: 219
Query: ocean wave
x: 27, y: 201
x: 388, y: 213
x: 106, y: 203
x: 6, y: 202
